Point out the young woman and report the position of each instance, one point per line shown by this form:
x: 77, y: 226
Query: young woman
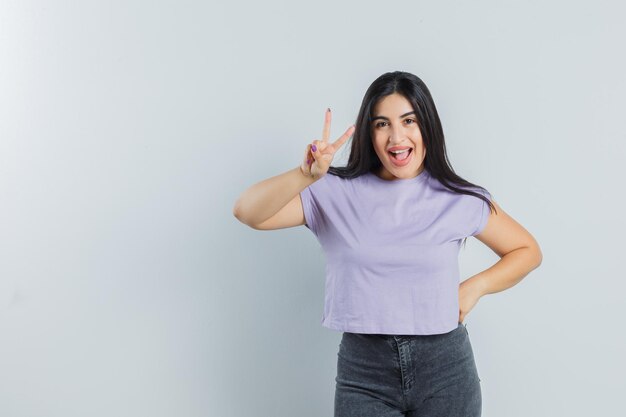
x: 391, y: 224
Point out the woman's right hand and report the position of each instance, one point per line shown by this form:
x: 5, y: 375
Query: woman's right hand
x: 319, y: 154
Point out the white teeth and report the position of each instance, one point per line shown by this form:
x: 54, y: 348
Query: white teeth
x: 397, y: 152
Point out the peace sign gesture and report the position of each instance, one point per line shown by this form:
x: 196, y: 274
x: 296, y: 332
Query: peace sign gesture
x: 319, y: 153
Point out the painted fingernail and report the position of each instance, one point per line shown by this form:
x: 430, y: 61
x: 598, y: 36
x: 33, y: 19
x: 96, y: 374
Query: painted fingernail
x: 308, y: 161
x: 314, y: 148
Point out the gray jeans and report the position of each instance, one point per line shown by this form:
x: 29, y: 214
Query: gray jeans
x: 409, y: 375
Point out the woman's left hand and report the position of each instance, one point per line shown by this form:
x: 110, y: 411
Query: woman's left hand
x: 469, y: 294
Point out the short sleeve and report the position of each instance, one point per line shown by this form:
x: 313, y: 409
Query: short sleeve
x: 310, y: 209
x: 482, y: 213
x: 315, y: 199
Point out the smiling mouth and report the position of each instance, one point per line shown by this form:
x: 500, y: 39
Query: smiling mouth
x: 400, y: 156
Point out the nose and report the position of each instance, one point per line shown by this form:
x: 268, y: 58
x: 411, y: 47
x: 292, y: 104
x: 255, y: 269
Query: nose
x: 397, y: 135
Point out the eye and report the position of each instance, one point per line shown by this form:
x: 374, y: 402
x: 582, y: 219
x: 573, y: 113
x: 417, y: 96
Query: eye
x: 379, y: 124
x: 411, y: 120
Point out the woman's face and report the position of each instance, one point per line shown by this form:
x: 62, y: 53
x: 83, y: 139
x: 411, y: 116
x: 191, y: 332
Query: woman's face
x: 394, y: 127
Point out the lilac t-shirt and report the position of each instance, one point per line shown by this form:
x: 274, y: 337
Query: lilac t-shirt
x: 391, y: 250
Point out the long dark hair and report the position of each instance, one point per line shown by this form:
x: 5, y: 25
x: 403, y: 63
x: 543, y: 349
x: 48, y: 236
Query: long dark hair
x: 363, y: 157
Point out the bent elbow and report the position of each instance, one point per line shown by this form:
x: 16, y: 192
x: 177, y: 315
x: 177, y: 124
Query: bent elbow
x: 238, y: 214
x: 242, y: 218
x: 538, y: 256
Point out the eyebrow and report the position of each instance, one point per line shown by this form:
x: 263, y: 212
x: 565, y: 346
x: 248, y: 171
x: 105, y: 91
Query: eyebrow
x: 386, y: 118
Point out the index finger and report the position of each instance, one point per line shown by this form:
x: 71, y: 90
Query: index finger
x: 326, y: 131
x: 344, y: 137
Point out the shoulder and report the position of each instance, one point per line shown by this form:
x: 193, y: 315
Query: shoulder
x: 334, y: 180
x: 327, y: 184
x: 437, y: 186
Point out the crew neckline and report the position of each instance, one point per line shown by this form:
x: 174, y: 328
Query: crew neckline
x: 418, y: 178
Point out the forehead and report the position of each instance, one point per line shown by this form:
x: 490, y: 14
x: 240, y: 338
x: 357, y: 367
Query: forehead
x: 392, y: 105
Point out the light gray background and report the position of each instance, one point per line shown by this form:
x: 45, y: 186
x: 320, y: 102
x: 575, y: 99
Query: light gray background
x: 129, y: 128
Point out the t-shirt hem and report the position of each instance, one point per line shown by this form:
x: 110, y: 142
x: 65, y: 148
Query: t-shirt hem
x: 373, y: 329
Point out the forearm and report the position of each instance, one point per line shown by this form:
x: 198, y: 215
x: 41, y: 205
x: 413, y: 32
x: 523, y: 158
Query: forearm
x: 264, y: 199
x: 508, y: 271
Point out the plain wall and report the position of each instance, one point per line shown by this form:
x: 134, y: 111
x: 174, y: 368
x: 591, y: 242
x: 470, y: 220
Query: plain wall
x: 128, y: 129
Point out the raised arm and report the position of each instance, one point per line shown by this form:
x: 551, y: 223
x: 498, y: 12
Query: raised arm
x: 274, y: 203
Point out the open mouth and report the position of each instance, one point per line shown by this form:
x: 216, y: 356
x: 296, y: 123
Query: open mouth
x: 400, y: 156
